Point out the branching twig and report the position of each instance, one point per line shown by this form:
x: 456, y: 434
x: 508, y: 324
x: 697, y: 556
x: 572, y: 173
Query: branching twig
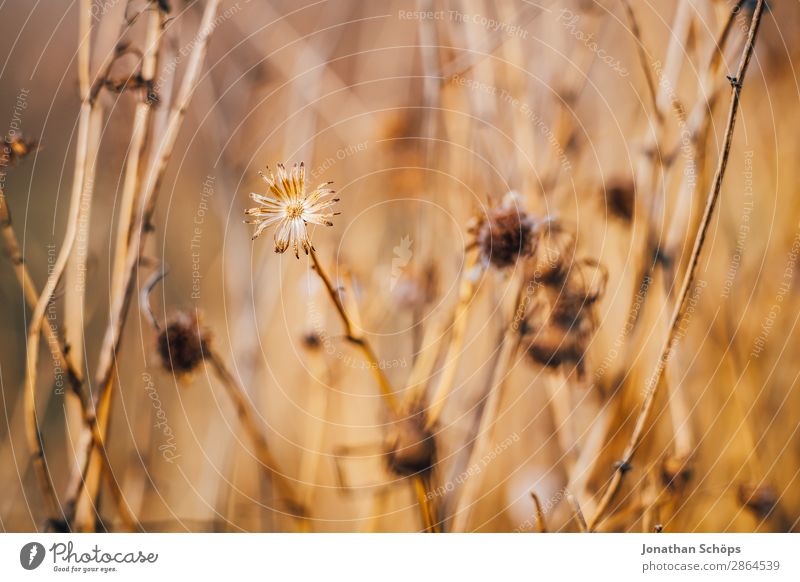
x: 680, y: 304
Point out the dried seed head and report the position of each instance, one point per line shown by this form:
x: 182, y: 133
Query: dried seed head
x: 505, y: 233
x: 620, y: 199
x: 676, y: 472
x: 554, y: 254
x: 183, y: 343
x: 761, y: 499
x: 411, y: 447
x: 561, y: 322
x: 583, y: 285
x: 555, y: 344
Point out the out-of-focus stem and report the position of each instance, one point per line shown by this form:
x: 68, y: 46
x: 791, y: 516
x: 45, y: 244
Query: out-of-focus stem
x: 680, y: 303
x: 356, y: 338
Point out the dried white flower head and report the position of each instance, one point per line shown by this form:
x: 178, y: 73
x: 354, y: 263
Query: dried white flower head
x: 291, y: 209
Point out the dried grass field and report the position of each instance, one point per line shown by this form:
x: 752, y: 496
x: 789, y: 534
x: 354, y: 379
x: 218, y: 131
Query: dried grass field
x: 434, y: 266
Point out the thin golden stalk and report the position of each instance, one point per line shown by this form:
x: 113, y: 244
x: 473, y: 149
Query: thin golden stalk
x: 509, y: 345
x: 37, y: 318
x: 29, y: 291
x: 355, y: 337
x: 539, y: 513
x: 247, y: 416
x: 466, y: 294
x: 577, y: 513
x: 121, y: 302
x: 680, y: 304
x: 139, y: 136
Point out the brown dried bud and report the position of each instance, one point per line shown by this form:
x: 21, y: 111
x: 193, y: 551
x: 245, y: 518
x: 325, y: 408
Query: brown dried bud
x: 555, y: 344
x: 676, y: 472
x: 311, y: 340
x: 620, y: 198
x: 411, y: 447
x: 554, y: 254
x: 761, y: 499
x: 583, y: 285
x: 505, y: 234
x: 183, y: 343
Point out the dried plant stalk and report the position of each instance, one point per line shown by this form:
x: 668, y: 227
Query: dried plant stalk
x: 680, y: 303
x: 121, y: 302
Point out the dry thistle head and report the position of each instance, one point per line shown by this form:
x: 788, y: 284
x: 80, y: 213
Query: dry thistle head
x: 556, y: 343
x: 291, y: 208
x: 583, y: 285
x: 676, y: 472
x: 505, y: 233
x: 761, y: 499
x: 183, y: 343
x: 411, y: 447
x: 561, y: 321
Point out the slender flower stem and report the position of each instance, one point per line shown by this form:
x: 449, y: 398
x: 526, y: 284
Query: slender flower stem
x: 356, y: 338
x: 455, y: 349
x: 120, y: 303
x: 680, y: 303
x: 507, y: 350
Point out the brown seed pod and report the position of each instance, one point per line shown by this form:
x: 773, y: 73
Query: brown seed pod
x: 583, y: 285
x: 411, y: 448
x: 676, y: 472
x: 761, y: 499
x: 183, y: 343
x: 505, y: 234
